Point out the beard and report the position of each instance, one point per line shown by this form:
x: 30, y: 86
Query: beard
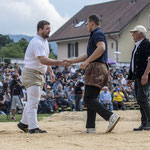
x: 45, y: 36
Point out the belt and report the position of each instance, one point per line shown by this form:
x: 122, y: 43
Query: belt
x: 35, y: 71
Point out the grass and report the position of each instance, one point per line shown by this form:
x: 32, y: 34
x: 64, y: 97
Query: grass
x: 4, y: 118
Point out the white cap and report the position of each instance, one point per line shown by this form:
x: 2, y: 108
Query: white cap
x: 105, y: 87
x: 139, y: 28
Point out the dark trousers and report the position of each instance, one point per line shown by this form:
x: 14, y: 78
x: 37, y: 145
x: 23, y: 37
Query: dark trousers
x: 94, y: 106
x: 118, y: 105
x: 77, y: 100
x: 142, y: 93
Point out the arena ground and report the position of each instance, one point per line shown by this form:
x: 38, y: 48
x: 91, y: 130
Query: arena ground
x: 64, y: 133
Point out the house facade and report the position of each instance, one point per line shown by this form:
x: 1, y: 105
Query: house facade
x: 118, y: 17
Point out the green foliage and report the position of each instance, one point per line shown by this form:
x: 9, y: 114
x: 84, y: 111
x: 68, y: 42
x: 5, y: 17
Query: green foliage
x: 24, y: 44
x: 52, y: 55
x: 10, y: 49
x: 14, y: 50
x: 4, y: 39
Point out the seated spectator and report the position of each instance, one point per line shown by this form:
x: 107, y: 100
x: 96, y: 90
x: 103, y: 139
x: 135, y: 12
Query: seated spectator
x: 50, y: 98
x: 67, y: 89
x: 6, y: 83
x: 43, y: 106
x: 71, y: 98
x: 57, y: 70
x: 124, y: 71
x: 10, y: 68
x: 2, y: 66
x: 118, y: 100
x: 55, y: 84
x: 117, y: 71
x: 65, y: 79
x: 73, y: 69
x: 4, y: 103
x: 130, y: 92
x: 123, y: 80
x: 106, y: 99
x: 60, y: 99
x: 1, y: 75
x: 66, y: 70
x: 17, y: 69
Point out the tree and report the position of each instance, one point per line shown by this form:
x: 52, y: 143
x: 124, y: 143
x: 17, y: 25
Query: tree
x: 12, y: 50
x: 51, y: 54
x: 24, y: 44
x: 4, y: 39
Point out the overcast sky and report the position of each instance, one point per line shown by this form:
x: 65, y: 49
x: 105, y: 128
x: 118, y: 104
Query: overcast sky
x: 21, y: 16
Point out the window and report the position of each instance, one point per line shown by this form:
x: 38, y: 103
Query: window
x: 149, y: 22
x: 112, y: 45
x: 80, y: 24
x: 73, y: 49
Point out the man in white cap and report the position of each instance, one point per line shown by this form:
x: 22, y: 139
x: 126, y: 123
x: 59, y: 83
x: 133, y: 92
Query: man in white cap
x: 139, y: 72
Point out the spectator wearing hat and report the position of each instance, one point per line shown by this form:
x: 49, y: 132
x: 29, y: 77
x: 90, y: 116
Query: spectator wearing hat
x: 50, y: 98
x: 118, y: 99
x: 117, y: 71
x: 139, y: 72
x: 105, y: 98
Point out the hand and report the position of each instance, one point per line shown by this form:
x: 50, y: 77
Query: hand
x: 68, y: 61
x: 65, y: 63
x: 83, y: 65
x: 144, y: 79
x: 129, y: 82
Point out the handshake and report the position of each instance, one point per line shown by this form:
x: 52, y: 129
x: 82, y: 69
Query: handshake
x: 65, y: 63
x: 68, y: 62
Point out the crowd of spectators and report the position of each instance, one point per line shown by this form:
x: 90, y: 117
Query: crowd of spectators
x: 66, y: 93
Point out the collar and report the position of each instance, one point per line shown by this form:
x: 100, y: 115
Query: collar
x: 98, y: 28
x: 138, y: 43
x: 39, y: 37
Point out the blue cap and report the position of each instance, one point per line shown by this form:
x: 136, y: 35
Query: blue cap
x: 118, y: 89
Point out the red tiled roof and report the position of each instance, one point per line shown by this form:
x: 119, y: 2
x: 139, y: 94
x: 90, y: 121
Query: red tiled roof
x: 115, y: 16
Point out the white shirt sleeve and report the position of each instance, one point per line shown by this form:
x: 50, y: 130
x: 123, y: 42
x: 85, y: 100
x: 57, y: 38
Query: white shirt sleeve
x: 38, y: 49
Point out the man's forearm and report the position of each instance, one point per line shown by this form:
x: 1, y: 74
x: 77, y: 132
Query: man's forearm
x: 79, y: 59
x: 97, y: 53
x: 50, y: 62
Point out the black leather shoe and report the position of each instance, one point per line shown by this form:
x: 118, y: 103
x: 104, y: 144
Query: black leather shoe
x: 37, y: 130
x: 147, y: 127
x: 23, y: 127
x: 140, y: 128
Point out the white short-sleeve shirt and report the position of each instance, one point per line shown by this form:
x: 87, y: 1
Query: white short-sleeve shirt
x: 37, y: 47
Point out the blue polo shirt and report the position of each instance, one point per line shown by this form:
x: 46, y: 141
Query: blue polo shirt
x: 97, y: 36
